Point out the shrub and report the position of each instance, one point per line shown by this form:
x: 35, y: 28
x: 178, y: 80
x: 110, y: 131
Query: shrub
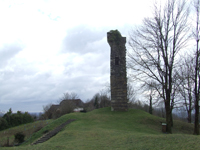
x: 3, y: 124
x: 83, y: 111
x: 16, y: 119
x: 19, y: 137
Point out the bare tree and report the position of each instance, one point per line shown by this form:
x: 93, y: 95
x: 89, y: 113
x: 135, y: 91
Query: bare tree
x: 150, y: 94
x: 197, y: 76
x: 105, y: 100
x: 89, y: 105
x: 69, y: 96
x: 154, y: 49
x: 48, y: 114
x: 186, y: 85
x: 131, y: 93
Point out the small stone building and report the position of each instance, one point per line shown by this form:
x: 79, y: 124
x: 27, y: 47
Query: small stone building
x: 118, y: 78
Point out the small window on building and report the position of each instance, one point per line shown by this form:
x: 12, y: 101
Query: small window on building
x: 116, y: 60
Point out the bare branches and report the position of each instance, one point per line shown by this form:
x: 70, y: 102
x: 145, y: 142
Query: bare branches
x: 154, y: 47
x: 197, y: 70
x: 69, y: 96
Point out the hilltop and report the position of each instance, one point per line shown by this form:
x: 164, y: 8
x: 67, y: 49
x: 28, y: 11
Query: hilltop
x: 103, y: 129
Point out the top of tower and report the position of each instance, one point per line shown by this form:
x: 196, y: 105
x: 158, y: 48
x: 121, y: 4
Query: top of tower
x: 114, y: 36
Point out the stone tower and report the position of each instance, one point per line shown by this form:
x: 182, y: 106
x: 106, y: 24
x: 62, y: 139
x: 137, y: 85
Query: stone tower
x: 118, y: 79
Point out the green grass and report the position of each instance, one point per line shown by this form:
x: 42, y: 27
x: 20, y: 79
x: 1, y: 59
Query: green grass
x: 28, y: 129
x: 103, y: 129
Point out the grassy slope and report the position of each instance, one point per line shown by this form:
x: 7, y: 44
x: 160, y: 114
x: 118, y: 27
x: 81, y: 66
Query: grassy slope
x: 103, y: 129
x: 28, y: 129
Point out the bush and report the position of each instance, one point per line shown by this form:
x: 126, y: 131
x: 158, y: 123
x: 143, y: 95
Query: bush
x: 16, y: 119
x: 19, y: 137
x: 83, y: 111
x: 27, y: 118
x: 3, y: 124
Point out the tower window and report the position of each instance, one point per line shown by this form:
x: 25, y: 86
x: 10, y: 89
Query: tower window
x: 116, y: 60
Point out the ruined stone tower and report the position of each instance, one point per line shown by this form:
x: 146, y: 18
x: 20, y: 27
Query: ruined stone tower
x: 118, y: 79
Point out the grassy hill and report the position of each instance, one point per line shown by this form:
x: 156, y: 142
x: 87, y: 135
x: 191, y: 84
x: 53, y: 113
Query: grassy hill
x: 103, y: 129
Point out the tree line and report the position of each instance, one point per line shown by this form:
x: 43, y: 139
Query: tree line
x: 11, y: 119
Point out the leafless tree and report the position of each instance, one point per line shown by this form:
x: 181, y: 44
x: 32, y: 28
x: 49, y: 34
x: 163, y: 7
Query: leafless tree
x: 104, y: 97
x: 69, y: 96
x: 154, y: 49
x: 89, y: 105
x: 197, y: 69
x: 48, y: 114
x: 131, y: 92
x: 186, y: 84
x: 150, y: 94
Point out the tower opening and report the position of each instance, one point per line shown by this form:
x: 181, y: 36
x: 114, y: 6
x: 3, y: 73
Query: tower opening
x: 116, y: 60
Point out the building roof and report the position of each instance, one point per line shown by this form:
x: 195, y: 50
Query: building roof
x: 54, y: 107
x: 76, y: 102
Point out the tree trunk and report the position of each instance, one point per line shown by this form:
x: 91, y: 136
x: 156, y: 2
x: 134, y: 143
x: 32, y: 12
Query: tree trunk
x: 196, y: 89
x: 196, y: 121
x: 168, y: 116
x: 189, y: 110
x: 189, y: 116
x: 150, y: 105
x: 197, y: 82
x: 172, y: 123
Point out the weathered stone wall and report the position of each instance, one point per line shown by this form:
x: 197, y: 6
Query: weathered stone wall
x: 118, y: 79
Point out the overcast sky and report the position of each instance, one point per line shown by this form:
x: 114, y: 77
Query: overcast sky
x: 49, y: 47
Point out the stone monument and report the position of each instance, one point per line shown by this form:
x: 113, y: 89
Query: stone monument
x: 118, y: 79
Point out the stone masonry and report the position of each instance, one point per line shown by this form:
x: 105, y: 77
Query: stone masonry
x: 118, y: 79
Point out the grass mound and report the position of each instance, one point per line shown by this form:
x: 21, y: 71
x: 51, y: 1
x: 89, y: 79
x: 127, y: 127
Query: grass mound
x: 103, y: 129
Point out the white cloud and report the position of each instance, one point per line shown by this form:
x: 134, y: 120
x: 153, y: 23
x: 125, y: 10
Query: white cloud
x: 49, y: 47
